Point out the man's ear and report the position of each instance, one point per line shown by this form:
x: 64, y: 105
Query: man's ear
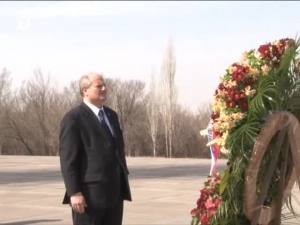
x: 83, y: 90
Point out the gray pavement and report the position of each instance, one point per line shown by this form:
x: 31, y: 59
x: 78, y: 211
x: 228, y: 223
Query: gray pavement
x: 164, y: 191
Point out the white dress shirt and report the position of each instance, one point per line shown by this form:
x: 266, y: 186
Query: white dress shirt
x: 96, y: 110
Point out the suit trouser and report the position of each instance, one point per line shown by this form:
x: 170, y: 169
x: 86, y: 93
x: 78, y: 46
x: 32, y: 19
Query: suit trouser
x: 102, y: 216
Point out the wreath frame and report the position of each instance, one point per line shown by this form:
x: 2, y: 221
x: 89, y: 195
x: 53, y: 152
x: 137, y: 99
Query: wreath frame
x: 288, y: 127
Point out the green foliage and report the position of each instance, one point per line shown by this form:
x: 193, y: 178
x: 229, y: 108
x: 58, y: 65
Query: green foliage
x: 279, y: 90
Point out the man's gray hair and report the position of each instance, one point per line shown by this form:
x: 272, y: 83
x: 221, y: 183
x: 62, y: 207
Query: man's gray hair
x: 85, y: 81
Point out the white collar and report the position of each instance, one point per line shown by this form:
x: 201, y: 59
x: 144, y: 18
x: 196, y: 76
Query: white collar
x: 94, y: 108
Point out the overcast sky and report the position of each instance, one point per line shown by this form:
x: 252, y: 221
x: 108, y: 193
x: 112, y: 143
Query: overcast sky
x: 128, y: 39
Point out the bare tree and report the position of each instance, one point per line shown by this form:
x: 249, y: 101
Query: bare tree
x: 40, y: 93
x: 169, y: 95
x: 204, y: 112
x: 127, y: 99
x: 5, y: 85
x: 30, y: 118
x: 72, y: 94
x: 152, y: 111
x: 18, y: 124
x: 5, y: 94
x: 187, y: 141
x: 35, y: 114
x: 114, y: 87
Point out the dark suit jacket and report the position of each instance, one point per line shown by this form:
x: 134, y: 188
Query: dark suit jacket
x: 89, y: 163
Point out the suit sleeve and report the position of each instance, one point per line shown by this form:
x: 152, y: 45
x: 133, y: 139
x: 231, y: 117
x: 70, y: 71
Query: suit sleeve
x: 121, y: 134
x: 122, y: 142
x: 69, y: 147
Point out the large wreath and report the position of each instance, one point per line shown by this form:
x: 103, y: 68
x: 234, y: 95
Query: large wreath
x: 264, y: 81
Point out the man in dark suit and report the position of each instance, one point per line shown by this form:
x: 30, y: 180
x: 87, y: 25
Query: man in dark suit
x: 92, y: 158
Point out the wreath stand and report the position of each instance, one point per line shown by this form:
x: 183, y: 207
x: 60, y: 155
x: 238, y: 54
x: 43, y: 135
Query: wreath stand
x: 287, y: 143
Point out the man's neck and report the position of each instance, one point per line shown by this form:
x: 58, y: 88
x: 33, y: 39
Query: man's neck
x: 97, y: 104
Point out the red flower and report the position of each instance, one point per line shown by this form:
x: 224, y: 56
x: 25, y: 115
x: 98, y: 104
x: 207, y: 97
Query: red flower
x: 240, y: 73
x: 248, y: 81
x: 194, y: 212
x: 217, y: 133
x: 218, y: 201
x: 209, y: 204
x: 221, y: 86
x: 275, y: 52
x: 243, y: 104
x: 215, y: 116
x: 204, y: 219
x: 209, y: 200
x: 230, y: 104
x: 264, y: 50
x: 282, y: 44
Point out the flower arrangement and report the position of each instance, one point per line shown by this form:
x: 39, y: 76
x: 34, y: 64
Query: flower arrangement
x: 262, y: 81
x: 239, y: 85
x: 208, y: 202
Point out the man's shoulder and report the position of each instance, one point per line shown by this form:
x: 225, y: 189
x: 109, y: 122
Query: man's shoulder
x: 73, y: 112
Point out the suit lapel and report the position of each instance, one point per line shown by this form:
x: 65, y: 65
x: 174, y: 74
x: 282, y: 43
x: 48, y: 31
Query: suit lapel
x: 92, y: 119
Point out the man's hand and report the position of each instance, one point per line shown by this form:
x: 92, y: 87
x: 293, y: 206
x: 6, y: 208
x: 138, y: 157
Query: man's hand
x: 78, y: 203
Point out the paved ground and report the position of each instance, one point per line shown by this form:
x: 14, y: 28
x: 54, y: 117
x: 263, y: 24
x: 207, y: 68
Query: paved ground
x: 164, y: 191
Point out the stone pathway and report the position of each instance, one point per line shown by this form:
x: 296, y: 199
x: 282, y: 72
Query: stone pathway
x: 164, y: 191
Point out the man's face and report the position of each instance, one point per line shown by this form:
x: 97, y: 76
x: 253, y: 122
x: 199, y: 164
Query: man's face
x: 97, y: 91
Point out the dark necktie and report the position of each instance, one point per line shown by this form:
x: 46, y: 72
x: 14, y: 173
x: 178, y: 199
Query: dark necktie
x: 105, y: 126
